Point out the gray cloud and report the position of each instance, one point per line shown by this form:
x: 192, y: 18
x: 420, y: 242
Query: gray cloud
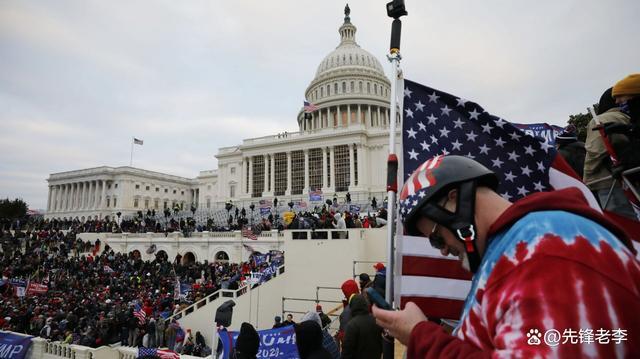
x: 78, y: 79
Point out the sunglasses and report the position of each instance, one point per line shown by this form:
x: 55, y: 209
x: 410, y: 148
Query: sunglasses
x: 435, y: 238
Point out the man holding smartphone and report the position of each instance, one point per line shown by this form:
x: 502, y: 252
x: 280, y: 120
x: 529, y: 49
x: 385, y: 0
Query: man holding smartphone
x: 547, y: 263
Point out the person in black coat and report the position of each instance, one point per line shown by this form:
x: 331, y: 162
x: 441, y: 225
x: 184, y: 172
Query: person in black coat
x: 571, y: 149
x: 362, y: 337
x: 309, y: 341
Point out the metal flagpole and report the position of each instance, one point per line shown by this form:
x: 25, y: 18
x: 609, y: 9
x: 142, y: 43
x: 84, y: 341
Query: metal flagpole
x: 395, y: 10
x: 131, y: 158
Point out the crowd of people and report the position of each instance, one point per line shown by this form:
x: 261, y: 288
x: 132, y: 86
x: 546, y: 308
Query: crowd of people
x: 358, y: 335
x: 89, y: 295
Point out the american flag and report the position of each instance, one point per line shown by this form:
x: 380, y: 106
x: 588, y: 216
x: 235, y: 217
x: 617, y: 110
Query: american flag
x: 437, y: 123
x: 248, y: 233
x: 154, y: 352
x: 140, y: 314
x: 309, y: 107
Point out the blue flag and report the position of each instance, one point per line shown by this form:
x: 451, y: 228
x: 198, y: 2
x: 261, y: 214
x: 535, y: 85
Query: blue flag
x: 14, y: 346
x: 274, y: 343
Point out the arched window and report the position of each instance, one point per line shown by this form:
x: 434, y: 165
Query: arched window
x: 335, y: 88
x: 351, y: 89
x: 368, y: 87
x: 375, y: 88
x: 328, y: 90
x: 360, y: 86
x: 344, y: 87
x: 321, y: 91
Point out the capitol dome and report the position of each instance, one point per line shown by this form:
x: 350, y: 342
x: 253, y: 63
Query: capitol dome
x: 348, y: 85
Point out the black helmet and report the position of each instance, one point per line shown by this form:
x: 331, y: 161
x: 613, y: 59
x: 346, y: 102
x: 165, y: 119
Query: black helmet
x: 434, y: 179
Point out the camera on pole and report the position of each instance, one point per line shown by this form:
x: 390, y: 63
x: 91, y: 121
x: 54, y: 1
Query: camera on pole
x: 396, y: 9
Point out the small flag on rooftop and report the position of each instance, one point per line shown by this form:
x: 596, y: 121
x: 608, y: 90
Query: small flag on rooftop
x: 137, y: 141
x: 309, y: 107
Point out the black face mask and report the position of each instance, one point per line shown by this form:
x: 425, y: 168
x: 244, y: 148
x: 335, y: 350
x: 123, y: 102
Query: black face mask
x: 634, y: 109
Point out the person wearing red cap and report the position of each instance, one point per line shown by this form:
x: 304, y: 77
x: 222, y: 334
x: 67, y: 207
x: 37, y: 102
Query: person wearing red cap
x: 349, y: 289
x: 380, y: 279
x: 324, y: 319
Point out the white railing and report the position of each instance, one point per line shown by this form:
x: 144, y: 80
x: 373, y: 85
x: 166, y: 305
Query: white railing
x: 178, y: 235
x: 220, y: 293
x: 45, y: 349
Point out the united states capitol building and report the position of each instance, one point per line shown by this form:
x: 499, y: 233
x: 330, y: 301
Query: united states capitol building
x: 340, y: 147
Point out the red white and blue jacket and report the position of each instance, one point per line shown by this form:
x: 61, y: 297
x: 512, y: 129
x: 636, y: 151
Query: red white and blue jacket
x: 557, y: 280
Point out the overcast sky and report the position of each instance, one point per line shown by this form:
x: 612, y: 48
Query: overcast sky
x: 79, y: 78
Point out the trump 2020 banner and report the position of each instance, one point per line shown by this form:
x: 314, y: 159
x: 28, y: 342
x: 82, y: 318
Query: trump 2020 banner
x: 274, y: 343
x: 542, y: 130
x: 13, y: 346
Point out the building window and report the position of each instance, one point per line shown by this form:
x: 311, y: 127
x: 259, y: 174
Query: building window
x: 335, y: 88
x: 115, y: 186
x: 108, y: 186
x: 360, y: 86
x: 155, y: 204
x: 146, y: 204
x: 232, y: 191
x: 137, y: 186
x: 280, y: 185
x: 375, y: 88
x: 108, y: 202
x: 355, y: 165
x: 147, y: 188
x: 174, y: 191
x: 182, y: 193
x: 258, y: 176
x: 135, y: 203
x: 342, y: 168
x: 115, y: 202
x: 233, y: 170
x: 166, y: 203
x: 344, y: 87
x: 351, y: 88
x: 157, y: 189
x: 297, y: 172
x: 315, y: 168
x: 166, y: 190
x: 321, y: 91
x: 208, y: 203
x: 368, y: 87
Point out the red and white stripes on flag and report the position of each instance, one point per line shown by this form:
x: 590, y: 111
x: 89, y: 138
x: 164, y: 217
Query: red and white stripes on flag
x: 248, y: 233
x: 430, y: 280
x: 140, y: 314
x: 309, y: 107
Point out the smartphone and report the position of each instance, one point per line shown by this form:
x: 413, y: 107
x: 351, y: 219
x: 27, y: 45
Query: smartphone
x: 377, y: 299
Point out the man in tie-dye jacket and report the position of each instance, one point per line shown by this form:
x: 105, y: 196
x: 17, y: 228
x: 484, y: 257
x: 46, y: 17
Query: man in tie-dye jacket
x: 552, y: 276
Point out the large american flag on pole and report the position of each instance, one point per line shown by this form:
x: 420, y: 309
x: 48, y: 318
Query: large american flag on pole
x: 437, y: 123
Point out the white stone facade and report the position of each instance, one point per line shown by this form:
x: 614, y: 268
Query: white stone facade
x: 341, y: 146
x: 104, y: 191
